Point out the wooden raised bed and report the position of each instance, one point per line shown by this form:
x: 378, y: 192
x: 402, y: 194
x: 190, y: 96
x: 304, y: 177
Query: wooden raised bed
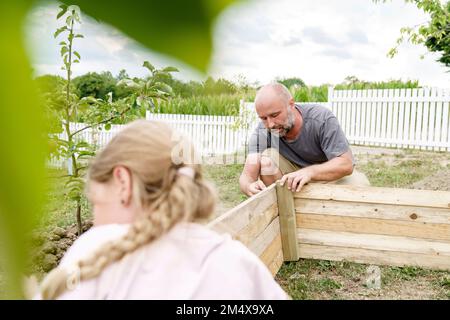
x: 382, y: 226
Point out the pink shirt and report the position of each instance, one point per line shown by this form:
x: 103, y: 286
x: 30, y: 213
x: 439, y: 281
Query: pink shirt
x: 190, y: 262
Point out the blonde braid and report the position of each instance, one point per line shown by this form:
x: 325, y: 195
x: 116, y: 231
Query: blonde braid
x: 164, y: 200
x: 146, y: 229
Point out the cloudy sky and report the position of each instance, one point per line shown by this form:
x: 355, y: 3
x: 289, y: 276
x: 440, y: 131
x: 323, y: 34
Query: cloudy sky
x: 319, y: 41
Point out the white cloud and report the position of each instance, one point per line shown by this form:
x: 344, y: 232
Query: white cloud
x: 320, y: 41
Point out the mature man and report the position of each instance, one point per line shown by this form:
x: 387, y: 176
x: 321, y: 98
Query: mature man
x: 297, y: 144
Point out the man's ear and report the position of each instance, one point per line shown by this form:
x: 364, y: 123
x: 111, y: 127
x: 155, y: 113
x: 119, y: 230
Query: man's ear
x: 292, y: 102
x: 123, y: 182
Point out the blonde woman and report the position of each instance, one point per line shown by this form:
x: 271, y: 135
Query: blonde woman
x: 146, y: 242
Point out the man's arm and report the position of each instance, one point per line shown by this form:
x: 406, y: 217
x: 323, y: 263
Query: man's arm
x: 248, y: 181
x: 333, y: 169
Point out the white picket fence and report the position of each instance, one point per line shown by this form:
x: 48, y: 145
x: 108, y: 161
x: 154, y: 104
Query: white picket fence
x: 401, y: 118
x: 212, y: 135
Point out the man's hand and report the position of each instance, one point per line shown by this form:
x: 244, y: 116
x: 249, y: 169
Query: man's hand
x: 297, y: 179
x: 255, y: 187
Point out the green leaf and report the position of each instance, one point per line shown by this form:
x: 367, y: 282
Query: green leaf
x: 58, y: 31
x: 77, y: 54
x: 139, y: 100
x: 149, y: 66
x: 78, y: 36
x: 86, y: 154
x: 64, y: 50
x: 63, y: 43
x: 69, y: 21
x: 170, y: 69
x: 62, y: 12
x: 179, y: 28
x: 23, y: 148
x: 108, y: 126
x: 163, y: 87
x: 89, y: 99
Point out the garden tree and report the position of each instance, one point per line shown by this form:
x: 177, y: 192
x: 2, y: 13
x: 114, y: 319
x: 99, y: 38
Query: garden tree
x: 244, y: 84
x: 94, y: 84
x: 288, y: 82
x: 441, y: 44
x: 122, y: 75
x: 155, y: 24
x: 434, y: 33
x: 96, y: 111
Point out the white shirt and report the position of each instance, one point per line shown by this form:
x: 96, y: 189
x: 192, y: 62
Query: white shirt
x: 189, y: 262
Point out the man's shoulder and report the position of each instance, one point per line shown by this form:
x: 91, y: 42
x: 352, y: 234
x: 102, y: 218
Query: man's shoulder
x: 315, y: 111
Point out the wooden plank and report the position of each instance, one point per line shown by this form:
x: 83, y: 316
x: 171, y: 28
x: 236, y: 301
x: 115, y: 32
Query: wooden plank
x: 431, y: 231
x: 238, y: 218
x: 257, y: 224
x: 286, y: 211
x: 310, y: 251
x: 265, y: 238
x: 272, y: 250
x: 396, y: 196
x: 373, y: 242
x: 374, y: 211
x: 276, y: 264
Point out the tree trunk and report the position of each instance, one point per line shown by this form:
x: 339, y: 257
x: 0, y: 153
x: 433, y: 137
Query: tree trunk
x: 80, y: 227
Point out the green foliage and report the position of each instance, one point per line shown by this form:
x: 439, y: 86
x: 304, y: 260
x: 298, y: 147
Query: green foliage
x: 289, y: 82
x: 353, y: 83
x: 208, y: 87
x: 155, y: 24
x: 310, y: 94
x: 94, y: 84
x: 434, y: 33
x: 51, y: 88
x: 22, y: 143
x: 440, y: 40
x: 219, y: 105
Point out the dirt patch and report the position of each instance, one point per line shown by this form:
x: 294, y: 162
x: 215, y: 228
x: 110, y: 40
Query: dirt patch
x: 439, y: 181
x: 49, y: 246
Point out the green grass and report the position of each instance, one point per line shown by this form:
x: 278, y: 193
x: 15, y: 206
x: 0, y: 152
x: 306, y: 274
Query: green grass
x: 226, y: 180
x: 59, y: 210
x: 308, y: 278
x: 381, y: 174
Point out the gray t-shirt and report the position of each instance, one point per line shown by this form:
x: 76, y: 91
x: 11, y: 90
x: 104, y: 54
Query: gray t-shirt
x: 321, y: 138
